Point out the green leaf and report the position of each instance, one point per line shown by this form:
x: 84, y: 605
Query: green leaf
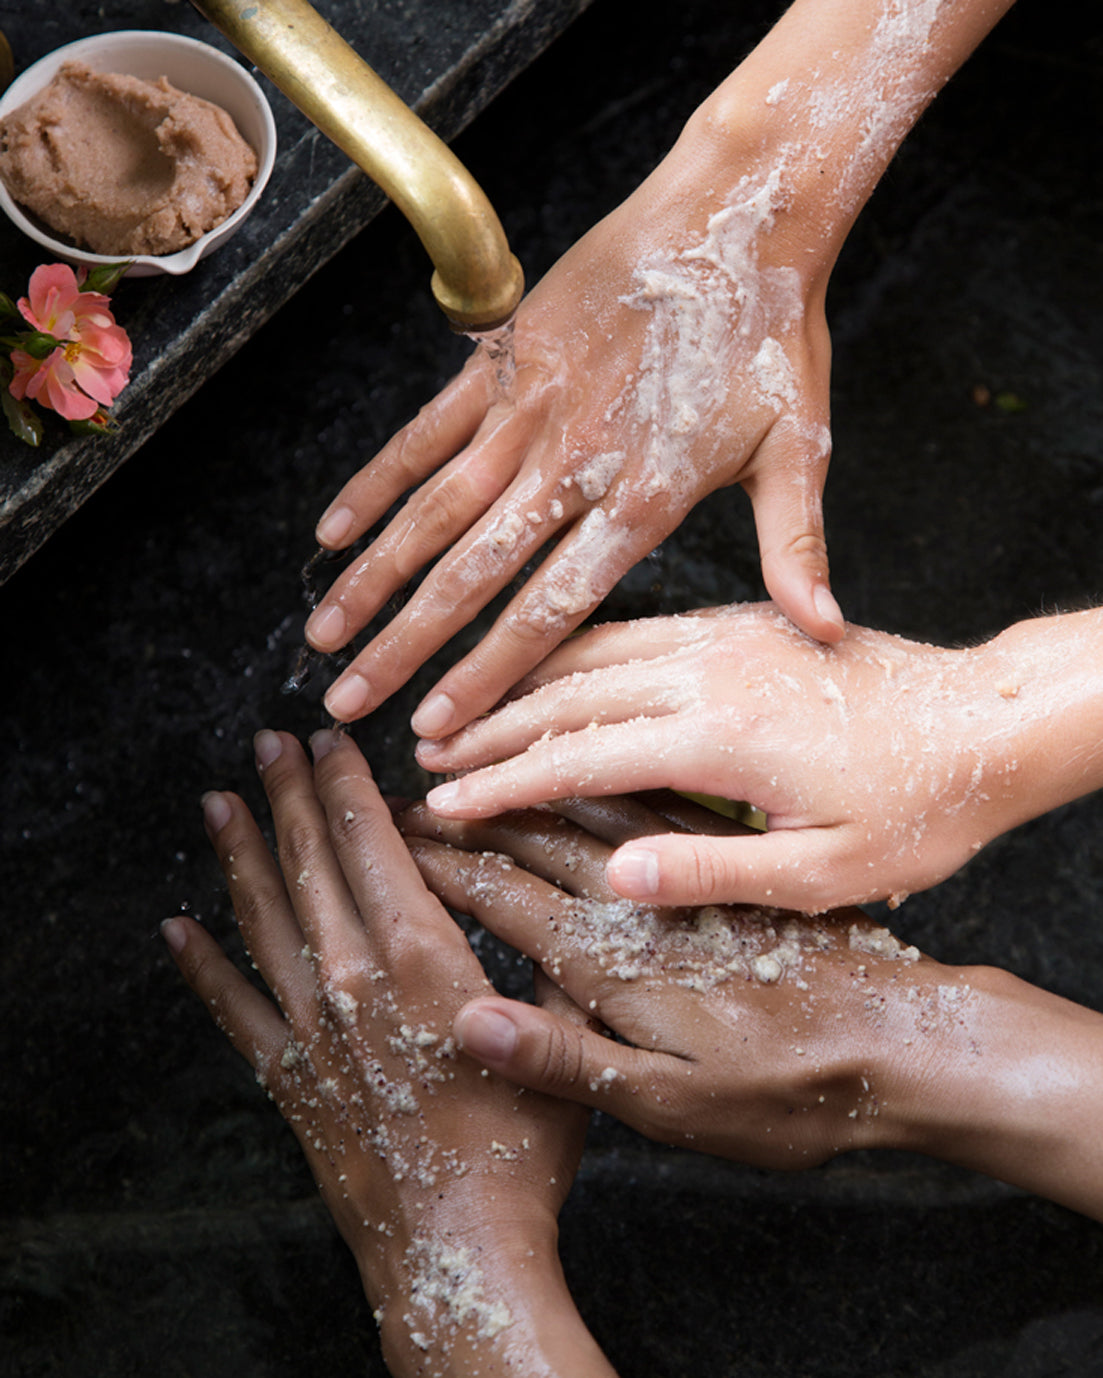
x: 105, y: 277
x: 1009, y: 402
x: 22, y: 420
x: 7, y: 307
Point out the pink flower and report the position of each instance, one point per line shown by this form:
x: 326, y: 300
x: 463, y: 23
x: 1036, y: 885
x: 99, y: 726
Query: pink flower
x: 91, y: 364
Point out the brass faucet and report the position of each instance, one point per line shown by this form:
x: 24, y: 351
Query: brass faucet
x: 7, y: 63
x: 478, y: 282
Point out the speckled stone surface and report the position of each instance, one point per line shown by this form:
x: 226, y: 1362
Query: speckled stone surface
x: 447, y: 62
x: 155, y: 1216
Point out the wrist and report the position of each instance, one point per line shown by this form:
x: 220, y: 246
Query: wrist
x: 1005, y: 1082
x: 1040, y: 702
x: 483, y: 1298
x: 824, y: 101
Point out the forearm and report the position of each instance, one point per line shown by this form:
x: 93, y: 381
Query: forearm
x: 824, y: 101
x: 1011, y: 1087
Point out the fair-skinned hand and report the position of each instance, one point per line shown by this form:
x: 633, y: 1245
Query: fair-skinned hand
x: 768, y: 1037
x: 882, y: 765
x: 699, y: 362
x: 445, y: 1183
x: 680, y: 346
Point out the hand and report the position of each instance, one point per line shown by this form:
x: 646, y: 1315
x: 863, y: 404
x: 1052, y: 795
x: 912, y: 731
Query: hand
x: 745, y: 1033
x: 735, y: 702
x: 445, y: 1183
x: 768, y: 1037
x: 882, y: 765
x: 680, y: 346
x: 674, y: 350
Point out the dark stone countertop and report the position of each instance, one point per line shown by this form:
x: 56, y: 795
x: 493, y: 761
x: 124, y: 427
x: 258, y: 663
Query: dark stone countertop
x: 447, y: 62
x: 156, y: 1217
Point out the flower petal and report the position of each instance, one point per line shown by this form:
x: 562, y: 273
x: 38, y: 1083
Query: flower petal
x: 25, y: 369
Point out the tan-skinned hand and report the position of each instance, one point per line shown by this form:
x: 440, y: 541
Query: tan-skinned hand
x: 769, y: 1037
x: 445, y: 1183
x: 746, y: 1033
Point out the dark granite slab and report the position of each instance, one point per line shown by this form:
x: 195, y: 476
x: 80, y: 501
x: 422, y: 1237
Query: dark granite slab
x: 155, y: 1215
x: 448, y: 62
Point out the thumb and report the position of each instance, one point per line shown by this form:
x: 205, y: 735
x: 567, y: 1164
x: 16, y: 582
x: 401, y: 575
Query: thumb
x: 547, y: 1053
x: 786, y: 492
x: 789, y: 869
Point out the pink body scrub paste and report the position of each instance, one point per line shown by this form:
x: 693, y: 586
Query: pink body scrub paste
x: 123, y: 166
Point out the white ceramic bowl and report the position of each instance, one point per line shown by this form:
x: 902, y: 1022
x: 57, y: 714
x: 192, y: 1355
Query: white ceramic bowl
x: 190, y: 66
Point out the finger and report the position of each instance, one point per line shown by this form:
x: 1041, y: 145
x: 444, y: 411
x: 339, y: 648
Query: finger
x: 434, y: 518
x: 615, y: 820
x: 786, y: 491
x: 251, y: 1022
x: 540, y: 1050
x: 523, y: 910
x: 323, y: 903
x: 542, y: 843
x: 789, y: 869
x: 282, y: 1063
x: 457, y: 588
x: 616, y: 643
x: 405, y: 926
x: 269, y: 927
x: 566, y: 589
x: 616, y: 694
x: 439, y: 431
x: 620, y: 758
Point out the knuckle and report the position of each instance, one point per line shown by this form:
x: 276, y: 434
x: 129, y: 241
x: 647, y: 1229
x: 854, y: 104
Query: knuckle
x: 451, y: 586
x: 354, y: 824
x: 808, y: 546
x: 411, y: 952
x: 411, y: 443
x: 532, y: 625
x: 300, y: 848
x: 707, y: 871
x: 252, y: 907
x: 561, y: 1060
x: 442, y: 509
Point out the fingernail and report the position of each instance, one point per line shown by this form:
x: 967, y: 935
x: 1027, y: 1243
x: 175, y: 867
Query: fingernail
x: 216, y: 811
x: 327, y: 626
x: 175, y: 934
x: 488, y: 1034
x: 334, y: 525
x: 266, y: 747
x: 433, y: 716
x: 825, y: 604
x: 429, y: 755
x: 322, y: 743
x: 634, y: 872
x: 348, y: 697
x: 443, y: 797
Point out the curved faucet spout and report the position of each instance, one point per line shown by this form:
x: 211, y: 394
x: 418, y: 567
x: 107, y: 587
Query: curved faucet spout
x: 478, y: 282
